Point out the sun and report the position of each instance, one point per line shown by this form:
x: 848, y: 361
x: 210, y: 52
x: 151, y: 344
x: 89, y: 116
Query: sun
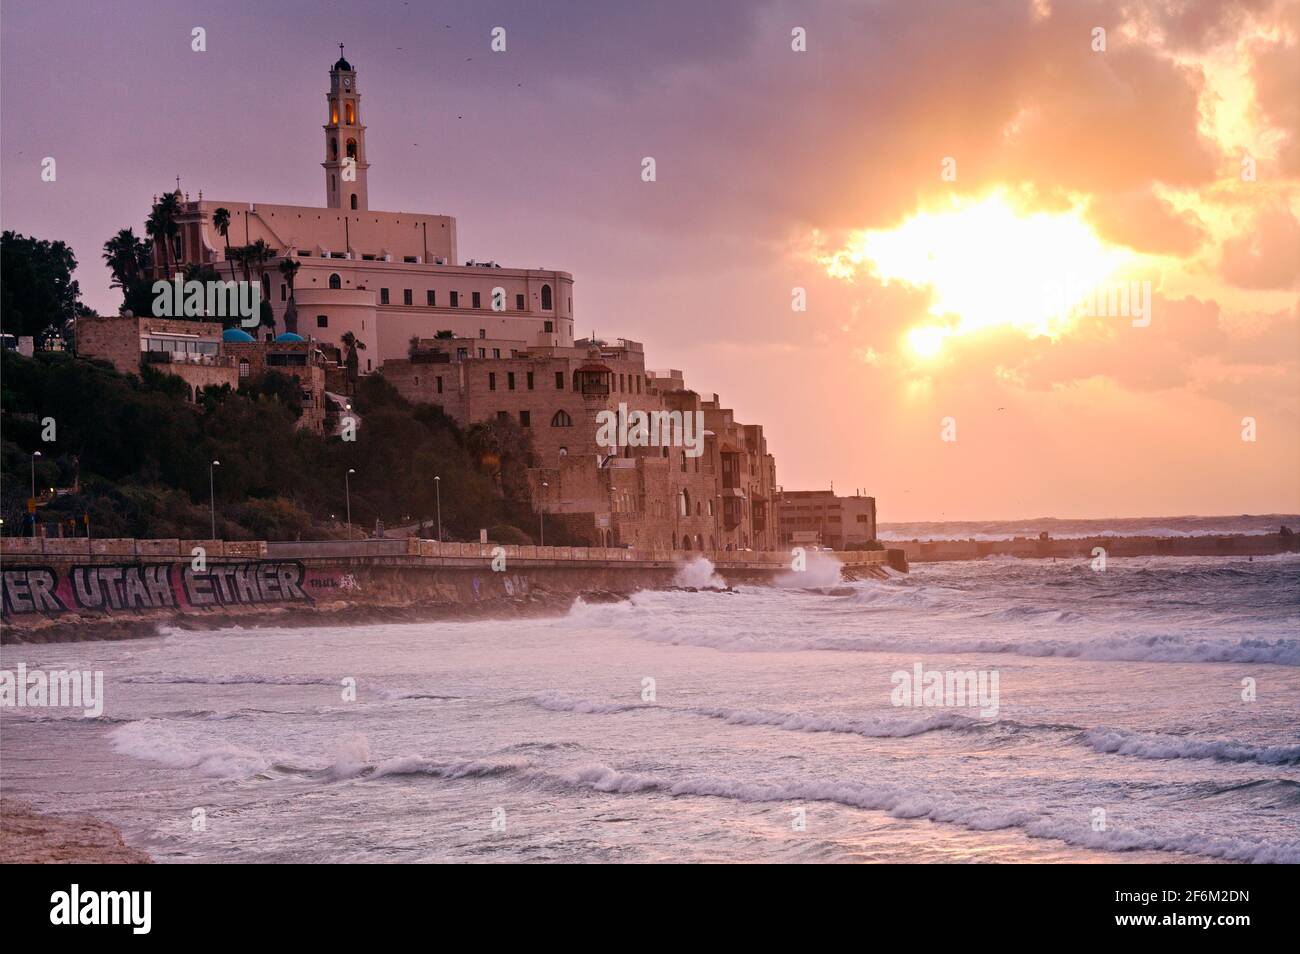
x: 986, y: 264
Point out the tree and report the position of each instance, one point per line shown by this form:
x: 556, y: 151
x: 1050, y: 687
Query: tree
x: 351, y: 361
x: 127, y: 258
x: 221, y: 221
x: 289, y: 269
x: 37, y: 290
x: 163, y: 226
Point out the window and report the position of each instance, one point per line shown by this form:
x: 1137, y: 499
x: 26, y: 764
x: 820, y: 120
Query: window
x: 322, y: 321
x: 284, y: 291
x: 548, y: 326
x: 476, y: 299
x: 525, y: 419
x: 561, y: 419
x: 462, y: 354
x: 502, y: 416
x: 352, y: 151
x: 496, y: 352
x: 455, y: 299
x: 431, y: 298
x: 335, y: 281
x: 530, y: 380
x: 510, y: 380
x: 440, y: 384
x: 383, y: 296
x: 406, y: 297
x: 352, y: 114
x: 482, y: 352
x: 354, y: 200
x: 243, y: 367
x: 546, y: 298
x: 334, y: 152
x: 559, y: 380
x: 482, y: 332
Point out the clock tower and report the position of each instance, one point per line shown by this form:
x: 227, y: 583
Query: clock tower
x: 346, y: 160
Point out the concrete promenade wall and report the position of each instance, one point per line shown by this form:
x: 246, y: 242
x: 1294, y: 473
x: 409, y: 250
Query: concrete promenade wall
x: 74, y: 581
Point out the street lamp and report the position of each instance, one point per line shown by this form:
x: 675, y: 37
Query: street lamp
x: 437, y: 493
x: 212, y: 495
x: 541, y: 518
x: 35, y: 454
x: 347, y: 491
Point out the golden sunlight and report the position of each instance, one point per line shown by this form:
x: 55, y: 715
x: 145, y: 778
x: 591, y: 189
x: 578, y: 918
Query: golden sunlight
x: 986, y: 264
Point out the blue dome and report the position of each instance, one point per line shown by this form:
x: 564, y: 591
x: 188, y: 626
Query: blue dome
x: 289, y: 336
x: 235, y: 335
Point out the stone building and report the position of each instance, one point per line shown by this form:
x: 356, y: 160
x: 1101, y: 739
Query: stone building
x: 290, y: 354
x: 661, y: 496
x: 191, y: 350
x: 820, y: 517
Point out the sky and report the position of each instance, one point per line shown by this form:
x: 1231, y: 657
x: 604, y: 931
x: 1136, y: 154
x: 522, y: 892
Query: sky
x: 901, y: 247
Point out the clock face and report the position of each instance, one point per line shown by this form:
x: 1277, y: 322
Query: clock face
x: 347, y: 84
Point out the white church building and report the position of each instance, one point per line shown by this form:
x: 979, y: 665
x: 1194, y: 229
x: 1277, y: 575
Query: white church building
x: 384, y: 276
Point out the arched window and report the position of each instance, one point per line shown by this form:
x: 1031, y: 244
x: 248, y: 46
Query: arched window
x: 354, y: 200
x: 352, y: 114
x: 564, y: 452
x: 685, y: 502
x: 352, y: 148
x: 546, y: 298
x: 243, y: 367
x: 686, y: 542
x: 561, y: 419
x: 335, y: 281
x: 334, y: 147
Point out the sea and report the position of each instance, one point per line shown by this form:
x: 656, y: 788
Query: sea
x: 1000, y: 710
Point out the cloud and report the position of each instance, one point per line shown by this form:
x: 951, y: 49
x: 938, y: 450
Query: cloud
x: 1267, y: 253
x: 1146, y: 223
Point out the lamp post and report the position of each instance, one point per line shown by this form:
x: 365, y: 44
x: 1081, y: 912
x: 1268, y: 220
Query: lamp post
x: 437, y: 493
x: 212, y: 495
x: 541, y: 519
x: 347, y: 493
x: 35, y: 454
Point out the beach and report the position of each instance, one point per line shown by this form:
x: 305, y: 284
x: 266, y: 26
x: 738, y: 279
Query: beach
x: 756, y: 725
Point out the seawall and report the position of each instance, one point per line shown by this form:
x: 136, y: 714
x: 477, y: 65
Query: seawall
x: 67, y: 589
x: 1263, y: 544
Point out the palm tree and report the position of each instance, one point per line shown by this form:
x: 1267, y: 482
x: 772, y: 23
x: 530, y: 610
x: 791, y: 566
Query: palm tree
x: 255, y: 256
x: 126, y: 256
x: 162, y: 224
x: 351, y: 362
x: 221, y: 221
x: 289, y: 269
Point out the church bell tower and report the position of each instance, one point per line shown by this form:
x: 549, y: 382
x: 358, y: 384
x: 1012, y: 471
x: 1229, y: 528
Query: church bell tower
x: 346, y: 160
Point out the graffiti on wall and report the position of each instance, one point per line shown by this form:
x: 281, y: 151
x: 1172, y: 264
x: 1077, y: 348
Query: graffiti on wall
x: 150, y: 586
